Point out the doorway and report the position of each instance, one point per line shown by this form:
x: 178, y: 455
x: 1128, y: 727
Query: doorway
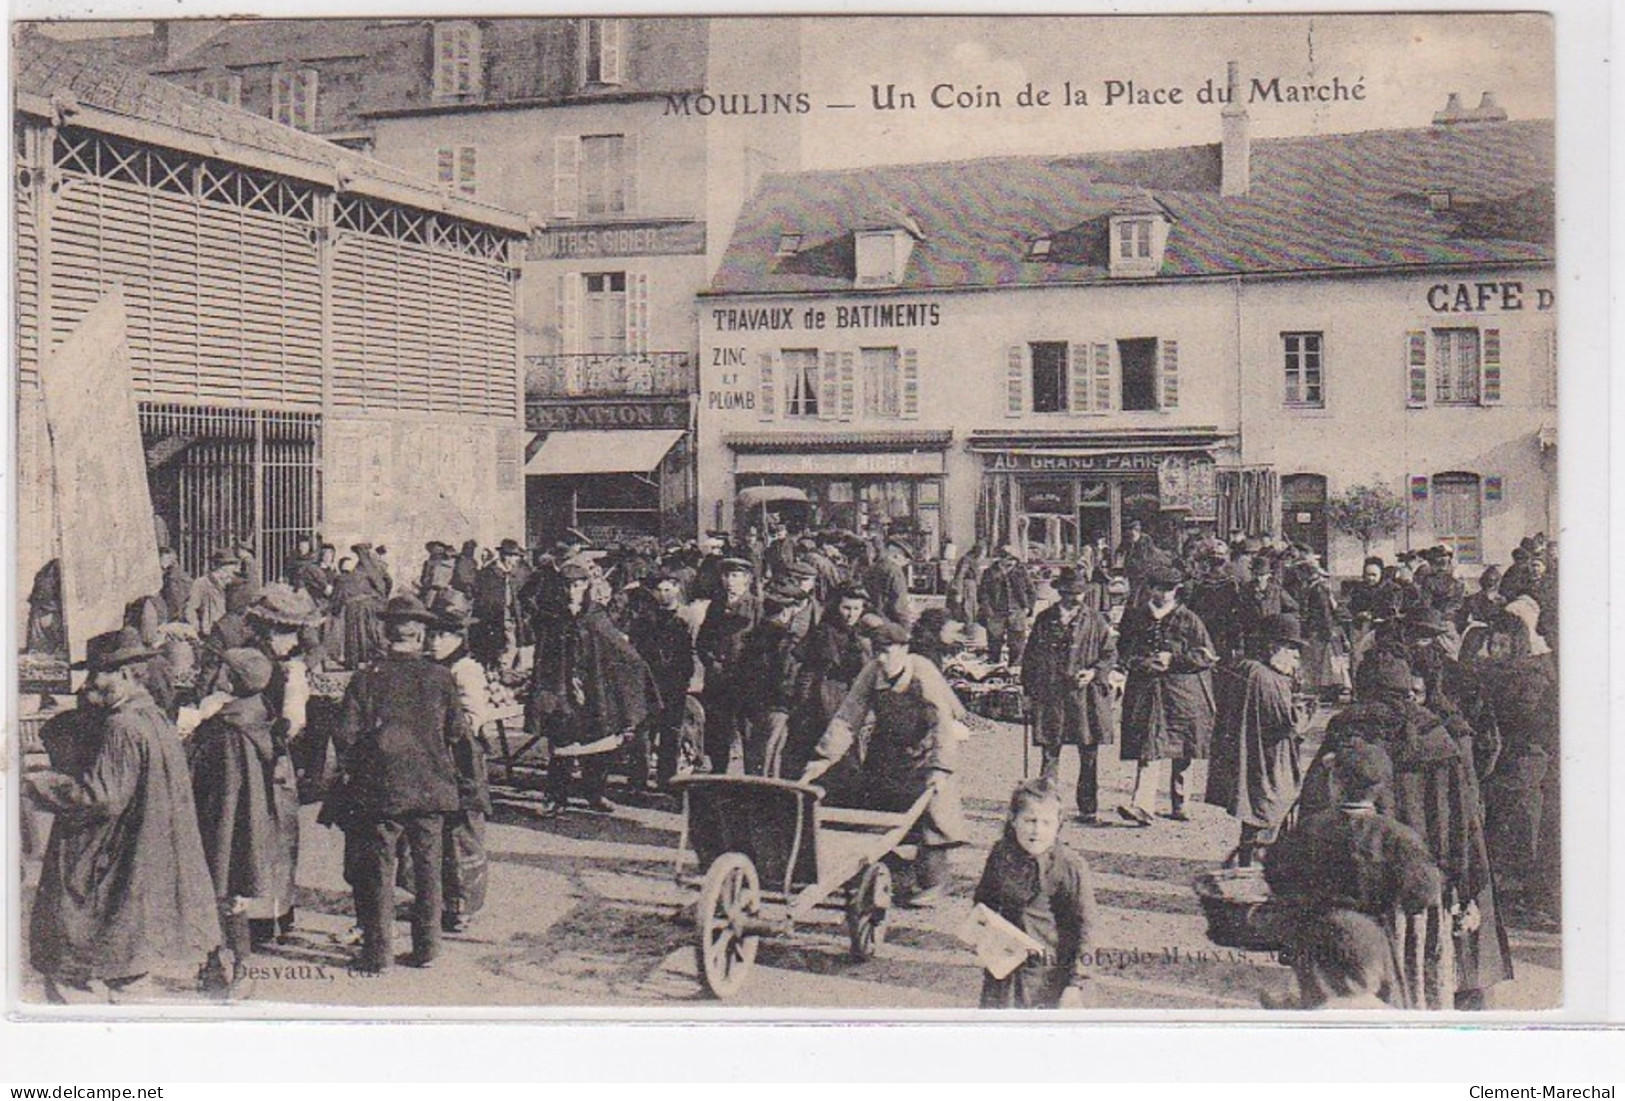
x: 1303, y: 511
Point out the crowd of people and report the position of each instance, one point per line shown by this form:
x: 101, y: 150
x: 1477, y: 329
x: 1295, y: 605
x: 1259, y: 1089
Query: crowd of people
x: 802, y: 657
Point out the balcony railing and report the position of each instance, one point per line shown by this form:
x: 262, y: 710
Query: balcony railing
x: 631, y: 374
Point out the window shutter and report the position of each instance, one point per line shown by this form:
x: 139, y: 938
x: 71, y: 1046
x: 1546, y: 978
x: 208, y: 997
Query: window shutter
x: 1416, y: 366
x: 566, y: 175
x: 1170, y: 374
x: 1015, y: 380
x: 829, y: 387
x: 309, y: 78
x: 629, y: 173
x: 610, y: 53
x: 637, y: 313
x: 1489, y: 390
x: 909, y: 406
x: 849, y: 386
x: 767, y: 400
x: 467, y: 178
x: 1102, y: 356
x: 1079, y: 372
x: 569, y: 305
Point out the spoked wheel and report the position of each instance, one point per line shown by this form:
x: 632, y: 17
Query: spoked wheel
x: 730, y: 895
x: 868, y: 908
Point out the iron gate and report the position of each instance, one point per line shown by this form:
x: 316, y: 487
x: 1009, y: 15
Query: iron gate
x: 222, y: 475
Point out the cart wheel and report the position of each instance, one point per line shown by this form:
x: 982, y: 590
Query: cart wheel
x: 868, y: 908
x: 730, y: 894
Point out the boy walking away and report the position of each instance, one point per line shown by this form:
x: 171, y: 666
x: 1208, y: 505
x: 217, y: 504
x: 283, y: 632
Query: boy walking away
x: 1034, y: 882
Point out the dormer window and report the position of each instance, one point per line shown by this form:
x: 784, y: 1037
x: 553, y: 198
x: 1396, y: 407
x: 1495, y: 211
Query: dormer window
x: 881, y: 256
x: 789, y: 244
x: 1040, y: 249
x: 1439, y: 198
x: 1137, y: 244
x: 601, y: 53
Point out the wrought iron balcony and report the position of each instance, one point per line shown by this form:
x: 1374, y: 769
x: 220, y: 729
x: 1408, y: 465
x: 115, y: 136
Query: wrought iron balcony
x: 631, y: 374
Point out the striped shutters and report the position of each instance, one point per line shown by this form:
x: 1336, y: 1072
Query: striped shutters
x: 1170, y: 374
x: 222, y: 293
x: 909, y: 405
x: 1016, y: 372
x: 1416, y: 369
x: 1101, y: 367
x: 1489, y: 391
x: 566, y: 176
x: 567, y: 308
x: 829, y: 386
x: 849, y: 386
x: 1081, y: 378
x: 26, y: 248
x: 767, y: 380
x: 637, y: 313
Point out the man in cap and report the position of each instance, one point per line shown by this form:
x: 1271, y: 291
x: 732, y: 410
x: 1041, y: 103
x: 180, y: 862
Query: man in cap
x: 401, y: 717
x: 662, y: 636
x: 1255, y: 770
x: 1168, y: 698
x: 802, y: 576
x: 124, y: 887
x: 1004, y: 599
x: 887, y: 583
x: 912, y: 751
x: 829, y: 659
x: 1064, y: 673
x: 717, y: 645
x: 464, y: 866
x: 766, y: 671
x: 589, y: 691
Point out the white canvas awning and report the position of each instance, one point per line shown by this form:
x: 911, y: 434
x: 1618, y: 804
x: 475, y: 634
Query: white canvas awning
x: 624, y: 451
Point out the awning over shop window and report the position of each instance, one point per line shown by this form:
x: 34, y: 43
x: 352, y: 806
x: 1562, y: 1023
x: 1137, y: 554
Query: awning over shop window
x: 608, y: 452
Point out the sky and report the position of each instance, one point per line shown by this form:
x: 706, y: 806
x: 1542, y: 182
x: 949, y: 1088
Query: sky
x: 1406, y: 63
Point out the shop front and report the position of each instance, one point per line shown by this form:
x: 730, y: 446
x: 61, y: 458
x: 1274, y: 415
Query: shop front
x: 885, y: 484
x: 1054, y: 494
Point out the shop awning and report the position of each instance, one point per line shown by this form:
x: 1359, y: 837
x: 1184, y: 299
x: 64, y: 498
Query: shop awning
x: 627, y: 451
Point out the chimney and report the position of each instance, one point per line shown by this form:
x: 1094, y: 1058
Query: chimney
x: 1235, y: 148
x: 1453, y: 112
x: 1488, y: 110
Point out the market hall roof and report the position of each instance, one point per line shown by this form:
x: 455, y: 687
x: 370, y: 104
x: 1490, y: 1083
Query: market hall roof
x: 77, y: 87
x: 1322, y: 203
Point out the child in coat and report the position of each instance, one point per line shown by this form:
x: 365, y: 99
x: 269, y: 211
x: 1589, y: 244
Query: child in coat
x: 1035, y: 883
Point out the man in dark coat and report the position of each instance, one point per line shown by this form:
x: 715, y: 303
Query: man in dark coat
x: 1070, y: 654
x: 717, y: 646
x: 589, y: 691
x: 1214, y: 597
x: 1261, y: 599
x: 400, y: 719
x: 177, y: 586
x: 828, y: 661
x: 495, y: 637
x: 435, y: 577
x: 125, y: 886
x: 662, y: 637
x: 766, y: 667
x: 887, y: 582
x: 1004, y: 600
x: 1255, y: 771
x: 1168, y: 699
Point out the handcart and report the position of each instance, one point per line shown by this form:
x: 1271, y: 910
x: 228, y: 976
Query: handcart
x: 766, y: 842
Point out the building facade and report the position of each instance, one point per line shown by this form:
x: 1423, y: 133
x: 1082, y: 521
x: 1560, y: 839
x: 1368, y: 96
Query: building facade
x: 318, y: 342
x: 591, y: 125
x: 1222, y: 338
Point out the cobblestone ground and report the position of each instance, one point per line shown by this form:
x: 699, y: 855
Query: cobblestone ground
x: 584, y: 911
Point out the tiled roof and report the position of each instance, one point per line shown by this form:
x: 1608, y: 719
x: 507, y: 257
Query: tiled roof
x: 49, y: 70
x: 245, y: 42
x: 1318, y: 203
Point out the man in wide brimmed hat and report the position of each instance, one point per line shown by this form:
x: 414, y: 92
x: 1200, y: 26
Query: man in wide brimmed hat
x: 1255, y: 770
x: 401, y: 716
x: 1064, y: 673
x: 124, y: 888
x: 464, y: 865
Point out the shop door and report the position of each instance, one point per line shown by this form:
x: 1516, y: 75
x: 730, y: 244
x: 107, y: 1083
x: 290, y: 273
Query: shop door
x: 1094, y: 513
x: 1303, y: 511
x: 1139, y: 501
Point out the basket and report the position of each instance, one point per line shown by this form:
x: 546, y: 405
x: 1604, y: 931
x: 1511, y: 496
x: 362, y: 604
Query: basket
x: 1240, y: 910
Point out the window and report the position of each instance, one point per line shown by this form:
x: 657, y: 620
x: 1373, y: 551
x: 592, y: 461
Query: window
x: 605, y: 303
x: 1134, y: 239
x: 225, y: 87
x: 1049, y: 376
x: 603, y: 175
x: 877, y: 259
x: 1137, y: 360
x: 1458, y: 514
x: 1304, y: 370
x: 455, y: 167
x: 882, y: 383
x: 293, y: 98
x: 801, y: 378
x: 456, y: 60
x: 601, y: 51
x: 1455, y: 366
x: 1040, y: 248
x: 789, y: 244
